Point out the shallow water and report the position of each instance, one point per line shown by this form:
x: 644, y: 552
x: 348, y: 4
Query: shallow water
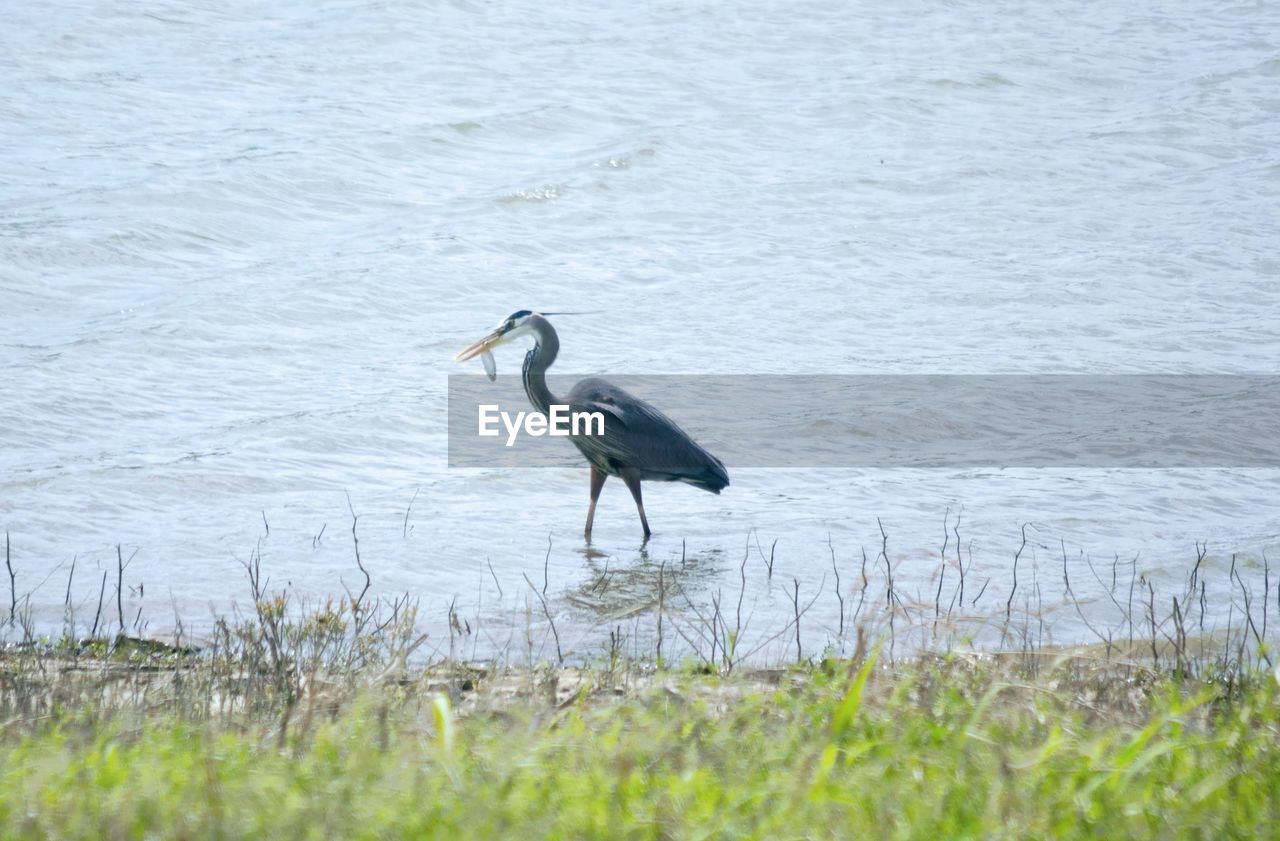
x: 240, y: 245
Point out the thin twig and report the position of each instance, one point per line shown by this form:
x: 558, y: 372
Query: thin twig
x: 69, y: 616
x: 550, y: 620
x: 1008, y: 605
x: 405, y: 532
x: 546, y: 563
x: 862, y: 596
x: 839, y: 594
x: 495, y: 576
x: 795, y: 600
x: 357, y: 603
x: 937, y: 597
x: 13, y: 589
x: 93, y: 635
x: 120, y: 565
x: 662, y: 606
x: 813, y: 600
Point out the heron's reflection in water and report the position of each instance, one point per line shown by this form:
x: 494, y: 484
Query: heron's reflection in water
x: 620, y: 586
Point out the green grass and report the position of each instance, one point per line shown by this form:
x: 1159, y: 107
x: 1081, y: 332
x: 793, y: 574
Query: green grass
x: 939, y: 750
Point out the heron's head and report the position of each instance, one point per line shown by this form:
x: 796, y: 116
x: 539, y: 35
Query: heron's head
x: 512, y: 327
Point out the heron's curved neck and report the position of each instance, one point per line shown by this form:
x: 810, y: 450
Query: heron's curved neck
x: 536, y: 363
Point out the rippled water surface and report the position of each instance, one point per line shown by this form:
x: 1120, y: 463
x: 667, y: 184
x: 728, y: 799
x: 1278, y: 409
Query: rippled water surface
x: 240, y: 244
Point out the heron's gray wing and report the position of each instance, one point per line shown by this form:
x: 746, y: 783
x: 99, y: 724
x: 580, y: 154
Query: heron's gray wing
x: 639, y: 437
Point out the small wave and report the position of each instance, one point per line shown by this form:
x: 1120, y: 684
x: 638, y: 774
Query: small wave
x: 545, y: 193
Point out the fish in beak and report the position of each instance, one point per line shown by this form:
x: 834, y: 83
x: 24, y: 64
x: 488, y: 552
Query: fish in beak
x: 483, y: 349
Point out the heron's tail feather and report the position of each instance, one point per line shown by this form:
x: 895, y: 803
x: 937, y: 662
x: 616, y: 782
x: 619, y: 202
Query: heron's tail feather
x: 710, y: 477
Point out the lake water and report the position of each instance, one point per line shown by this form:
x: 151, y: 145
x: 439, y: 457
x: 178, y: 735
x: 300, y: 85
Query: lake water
x: 240, y: 244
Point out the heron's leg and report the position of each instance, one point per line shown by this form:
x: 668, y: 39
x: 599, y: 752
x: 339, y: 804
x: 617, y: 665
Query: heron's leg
x: 633, y: 485
x: 597, y: 483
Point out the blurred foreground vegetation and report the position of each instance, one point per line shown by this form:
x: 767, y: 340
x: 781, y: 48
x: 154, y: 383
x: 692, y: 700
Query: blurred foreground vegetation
x: 961, y: 746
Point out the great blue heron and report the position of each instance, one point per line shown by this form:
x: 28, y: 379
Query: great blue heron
x: 639, y: 443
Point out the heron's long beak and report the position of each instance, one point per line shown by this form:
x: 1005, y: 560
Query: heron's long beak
x: 472, y: 351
